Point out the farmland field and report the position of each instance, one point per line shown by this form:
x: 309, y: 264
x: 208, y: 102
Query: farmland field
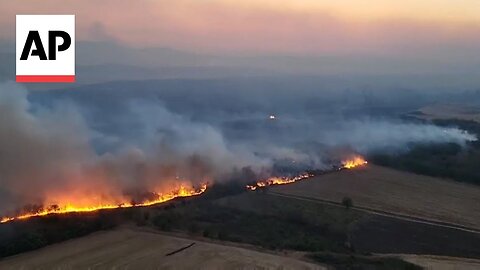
x: 394, y: 191
x: 448, y: 111
x: 130, y: 249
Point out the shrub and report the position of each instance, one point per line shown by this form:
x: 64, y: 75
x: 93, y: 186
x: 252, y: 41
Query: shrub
x: 347, y: 202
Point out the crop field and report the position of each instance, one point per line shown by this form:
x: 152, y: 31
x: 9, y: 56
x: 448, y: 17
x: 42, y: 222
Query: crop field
x: 132, y: 249
x: 389, y: 190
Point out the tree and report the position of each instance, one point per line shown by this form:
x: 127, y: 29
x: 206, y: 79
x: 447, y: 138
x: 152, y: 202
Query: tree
x: 347, y: 202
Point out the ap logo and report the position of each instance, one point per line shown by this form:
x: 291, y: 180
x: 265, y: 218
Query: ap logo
x: 45, y: 48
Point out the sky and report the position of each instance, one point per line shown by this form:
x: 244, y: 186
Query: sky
x: 290, y: 26
x: 427, y: 33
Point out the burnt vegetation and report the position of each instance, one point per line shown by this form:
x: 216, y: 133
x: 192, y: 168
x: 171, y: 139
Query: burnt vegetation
x: 379, y: 234
x: 347, y: 262
x: 280, y: 223
x: 259, y: 219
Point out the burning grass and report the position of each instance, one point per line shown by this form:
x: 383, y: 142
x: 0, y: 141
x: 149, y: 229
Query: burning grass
x: 155, y: 198
x: 182, y: 191
x: 278, y: 181
x: 352, y: 163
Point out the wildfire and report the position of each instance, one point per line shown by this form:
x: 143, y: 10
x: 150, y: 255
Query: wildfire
x: 182, y: 191
x: 354, y: 162
x: 279, y: 181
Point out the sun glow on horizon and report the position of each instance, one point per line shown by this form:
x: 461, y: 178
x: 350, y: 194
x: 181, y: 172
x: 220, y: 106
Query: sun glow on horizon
x: 427, y: 10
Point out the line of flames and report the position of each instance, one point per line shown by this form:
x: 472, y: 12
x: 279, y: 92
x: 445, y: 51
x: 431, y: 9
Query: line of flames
x: 278, y: 181
x: 347, y: 164
x: 180, y: 192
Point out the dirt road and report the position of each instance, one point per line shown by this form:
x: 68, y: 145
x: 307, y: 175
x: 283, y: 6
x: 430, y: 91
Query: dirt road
x: 384, y: 213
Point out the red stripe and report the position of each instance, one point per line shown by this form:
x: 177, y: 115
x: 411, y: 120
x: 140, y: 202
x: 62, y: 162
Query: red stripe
x: 46, y: 78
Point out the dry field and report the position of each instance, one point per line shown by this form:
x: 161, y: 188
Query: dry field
x: 460, y: 112
x: 393, y: 191
x: 442, y: 263
x: 130, y: 249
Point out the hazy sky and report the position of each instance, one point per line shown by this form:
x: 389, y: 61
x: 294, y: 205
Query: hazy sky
x: 272, y: 26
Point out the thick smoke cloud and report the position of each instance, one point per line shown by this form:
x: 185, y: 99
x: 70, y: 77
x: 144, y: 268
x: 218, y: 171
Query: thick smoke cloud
x: 47, y: 156
x: 37, y: 150
x: 61, y: 152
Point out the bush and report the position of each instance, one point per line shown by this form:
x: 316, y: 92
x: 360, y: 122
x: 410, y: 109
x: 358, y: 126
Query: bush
x: 347, y: 202
x: 164, y: 222
x: 207, y: 233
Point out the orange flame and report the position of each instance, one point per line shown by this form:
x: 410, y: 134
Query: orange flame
x: 354, y: 162
x: 182, y: 191
x: 279, y: 181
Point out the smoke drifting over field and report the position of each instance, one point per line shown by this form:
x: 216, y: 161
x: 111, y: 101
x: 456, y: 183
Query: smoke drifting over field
x: 58, y: 153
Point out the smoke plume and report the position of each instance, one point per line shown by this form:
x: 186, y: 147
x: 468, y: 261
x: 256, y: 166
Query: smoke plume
x: 59, y: 153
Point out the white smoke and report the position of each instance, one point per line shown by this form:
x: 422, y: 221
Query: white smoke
x: 368, y: 135
x: 45, y: 150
